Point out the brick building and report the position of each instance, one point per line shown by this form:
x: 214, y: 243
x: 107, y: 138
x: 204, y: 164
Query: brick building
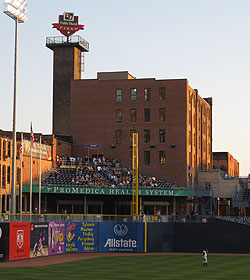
x: 50, y: 145
x: 226, y: 162
x: 173, y: 122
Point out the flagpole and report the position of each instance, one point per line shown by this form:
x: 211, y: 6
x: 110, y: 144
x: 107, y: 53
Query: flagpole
x: 40, y: 176
x: 21, y: 178
x: 31, y: 144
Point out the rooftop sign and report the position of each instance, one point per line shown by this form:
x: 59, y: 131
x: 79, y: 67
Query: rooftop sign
x: 68, y: 24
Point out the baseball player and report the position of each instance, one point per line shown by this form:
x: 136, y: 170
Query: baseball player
x: 204, y: 257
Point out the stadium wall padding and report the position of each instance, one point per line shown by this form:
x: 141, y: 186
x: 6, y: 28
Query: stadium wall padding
x: 121, y: 237
x: 217, y: 236
x: 4, y: 241
x: 27, y: 240
x: 160, y: 237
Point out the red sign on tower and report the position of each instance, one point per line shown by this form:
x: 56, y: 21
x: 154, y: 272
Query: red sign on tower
x: 68, y: 24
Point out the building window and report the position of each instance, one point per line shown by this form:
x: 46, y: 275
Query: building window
x: 8, y: 174
x: 147, y: 94
x: 162, y: 94
x: 162, y: 114
x: 118, y: 116
x: 18, y: 176
x: 133, y: 115
x: 118, y: 136
x: 131, y: 135
x: 4, y: 149
x: 119, y: 95
x: 146, y: 157
x: 162, y: 157
x: 147, y: 115
x: 4, y: 177
x: 133, y: 94
x: 9, y: 147
x: 146, y: 136
x: 162, y: 136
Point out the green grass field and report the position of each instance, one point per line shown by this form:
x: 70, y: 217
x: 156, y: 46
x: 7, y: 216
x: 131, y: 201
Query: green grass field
x: 154, y: 267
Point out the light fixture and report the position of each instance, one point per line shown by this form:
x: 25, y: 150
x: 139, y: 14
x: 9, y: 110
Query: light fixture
x: 16, y: 9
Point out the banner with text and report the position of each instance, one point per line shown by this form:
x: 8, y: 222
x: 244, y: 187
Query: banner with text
x: 81, y: 237
x: 45, y: 150
x: 56, y: 238
x: 121, y: 237
x: 108, y: 191
x: 19, y: 242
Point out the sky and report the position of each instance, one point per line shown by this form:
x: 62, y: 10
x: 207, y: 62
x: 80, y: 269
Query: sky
x: 205, y: 41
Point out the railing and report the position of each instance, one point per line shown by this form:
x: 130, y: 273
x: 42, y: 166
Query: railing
x: 235, y: 219
x: 36, y: 218
x: 67, y: 40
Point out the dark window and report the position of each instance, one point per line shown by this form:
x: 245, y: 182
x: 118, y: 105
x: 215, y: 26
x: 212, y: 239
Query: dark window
x: 4, y: 177
x: 162, y: 157
x: 147, y: 94
x: 146, y: 135
x: 162, y: 93
x: 118, y: 136
x: 8, y: 203
x: 18, y: 176
x: 162, y: 136
x: 131, y: 135
x: 9, y: 144
x: 118, y: 116
x: 4, y: 149
x: 8, y: 174
x: 147, y: 115
x: 162, y: 114
x: 133, y: 94
x: 133, y: 115
x: 3, y: 203
x: 119, y: 95
x: 146, y: 157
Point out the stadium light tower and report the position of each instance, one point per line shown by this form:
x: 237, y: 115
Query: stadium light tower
x: 15, y: 9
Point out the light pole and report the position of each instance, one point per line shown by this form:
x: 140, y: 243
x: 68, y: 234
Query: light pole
x: 15, y: 9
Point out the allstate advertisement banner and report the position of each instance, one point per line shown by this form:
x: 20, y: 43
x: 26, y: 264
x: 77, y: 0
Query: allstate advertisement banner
x: 19, y: 243
x: 81, y: 237
x: 121, y: 237
x: 4, y: 241
x: 56, y: 238
x: 38, y: 240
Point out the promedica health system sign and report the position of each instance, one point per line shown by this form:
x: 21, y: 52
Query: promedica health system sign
x: 81, y: 237
x: 109, y: 191
x: 121, y: 237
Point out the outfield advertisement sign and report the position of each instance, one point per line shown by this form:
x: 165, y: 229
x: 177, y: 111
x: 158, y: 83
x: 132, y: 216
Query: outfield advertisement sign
x: 109, y: 191
x: 19, y: 241
x: 38, y: 240
x: 4, y: 241
x: 121, y: 237
x: 81, y: 237
x: 56, y: 238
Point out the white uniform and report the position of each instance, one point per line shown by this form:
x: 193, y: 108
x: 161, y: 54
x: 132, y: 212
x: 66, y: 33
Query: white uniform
x: 204, y: 257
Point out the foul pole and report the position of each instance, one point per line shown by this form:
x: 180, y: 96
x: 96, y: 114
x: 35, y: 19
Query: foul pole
x: 135, y: 175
